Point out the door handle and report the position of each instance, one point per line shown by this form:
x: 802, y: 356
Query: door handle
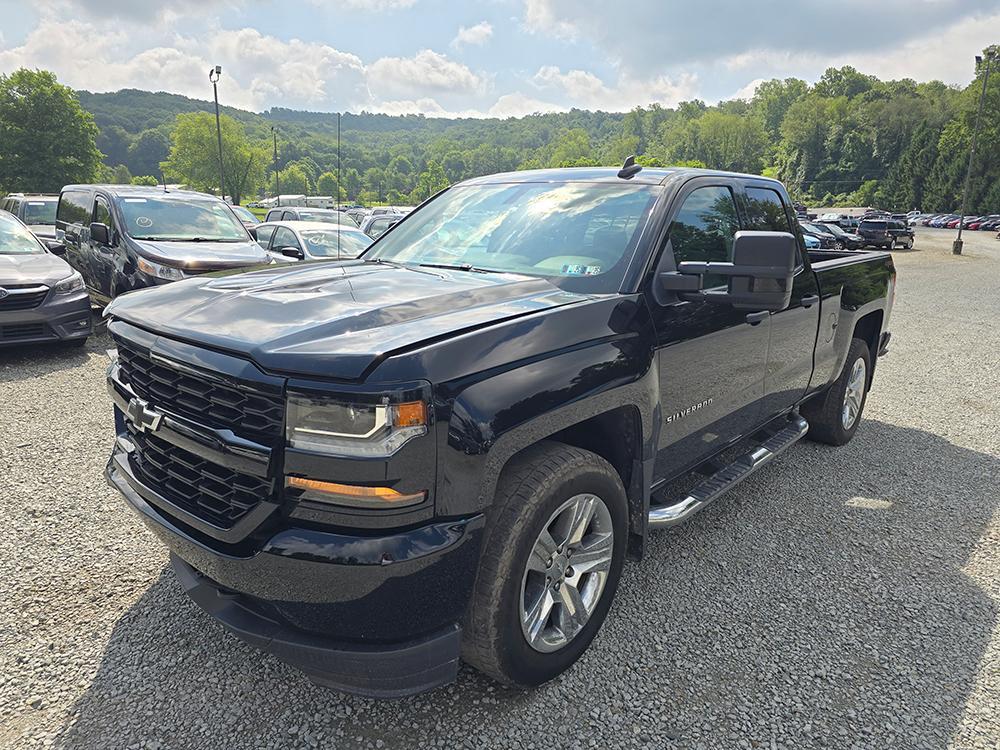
x: 755, y: 318
x: 809, y: 301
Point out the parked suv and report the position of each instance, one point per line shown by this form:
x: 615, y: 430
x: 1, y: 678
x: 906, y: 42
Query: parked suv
x: 446, y: 448
x: 42, y: 299
x: 38, y: 212
x: 122, y: 237
x: 885, y: 233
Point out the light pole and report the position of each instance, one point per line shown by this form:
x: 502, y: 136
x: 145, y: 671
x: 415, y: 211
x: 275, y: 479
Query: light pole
x: 277, y: 185
x: 956, y: 247
x: 214, y: 74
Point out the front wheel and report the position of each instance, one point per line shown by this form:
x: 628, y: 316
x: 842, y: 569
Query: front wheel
x: 834, y: 417
x: 551, y: 561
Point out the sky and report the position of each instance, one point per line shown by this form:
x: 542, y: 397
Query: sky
x: 479, y: 58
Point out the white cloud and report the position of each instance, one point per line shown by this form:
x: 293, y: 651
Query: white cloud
x: 519, y: 105
x: 586, y: 90
x: 427, y: 72
x: 476, y: 35
x: 377, y: 5
x: 747, y: 92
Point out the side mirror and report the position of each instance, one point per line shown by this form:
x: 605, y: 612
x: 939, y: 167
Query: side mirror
x: 100, y: 233
x: 55, y: 247
x: 293, y: 252
x: 760, y: 276
x: 253, y: 232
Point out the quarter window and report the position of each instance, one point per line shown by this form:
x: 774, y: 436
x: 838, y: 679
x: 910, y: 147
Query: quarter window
x: 704, y: 229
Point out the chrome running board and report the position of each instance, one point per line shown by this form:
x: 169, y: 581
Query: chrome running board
x: 729, y: 476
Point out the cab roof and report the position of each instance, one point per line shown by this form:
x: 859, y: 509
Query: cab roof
x: 646, y: 176
x: 141, y: 191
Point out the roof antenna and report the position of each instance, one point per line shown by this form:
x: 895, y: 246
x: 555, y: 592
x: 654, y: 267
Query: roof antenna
x: 163, y: 181
x: 629, y: 169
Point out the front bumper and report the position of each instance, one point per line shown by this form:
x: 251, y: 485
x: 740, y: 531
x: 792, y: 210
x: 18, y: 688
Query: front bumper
x: 55, y: 319
x: 374, y: 615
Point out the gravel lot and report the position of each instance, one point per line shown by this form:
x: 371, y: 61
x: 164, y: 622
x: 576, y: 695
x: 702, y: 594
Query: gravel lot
x: 842, y: 598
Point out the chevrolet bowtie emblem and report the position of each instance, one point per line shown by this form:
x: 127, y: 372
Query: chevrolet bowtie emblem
x: 3, y: 293
x: 144, y: 418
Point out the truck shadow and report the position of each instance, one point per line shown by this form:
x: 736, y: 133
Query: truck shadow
x: 828, y: 596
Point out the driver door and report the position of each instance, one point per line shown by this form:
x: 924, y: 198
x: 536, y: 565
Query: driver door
x: 285, y: 237
x: 711, y: 357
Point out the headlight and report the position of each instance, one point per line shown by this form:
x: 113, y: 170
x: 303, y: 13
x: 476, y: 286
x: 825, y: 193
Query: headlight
x: 353, y: 430
x: 72, y: 283
x: 161, y: 272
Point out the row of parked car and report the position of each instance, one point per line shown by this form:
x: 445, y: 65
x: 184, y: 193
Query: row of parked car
x: 986, y: 223
x: 91, y: 243
x: 838, y: 232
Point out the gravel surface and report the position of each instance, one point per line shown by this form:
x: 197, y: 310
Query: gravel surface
x: 842, y: 598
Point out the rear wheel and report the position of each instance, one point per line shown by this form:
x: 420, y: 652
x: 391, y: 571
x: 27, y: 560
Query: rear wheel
x: 550, y: 565
x: 892, y: 245
x: 834, y: 417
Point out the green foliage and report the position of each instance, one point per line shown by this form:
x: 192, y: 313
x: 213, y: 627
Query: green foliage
x: 194, y: 155
x: 850, y: 138
x: 122, y: 176
x: 326, y: 184
x: 46, y: 139
x: 147, y: 151
x: 146, y: 179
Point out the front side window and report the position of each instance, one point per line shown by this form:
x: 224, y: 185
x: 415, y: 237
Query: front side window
x: 264, y: 235
x: 102, y: 214
x: 285, y: 237
x: 74, y: 207
x: 15, y: 239
x: 580, y: 236
x: 704, y: 229
x: 766, y: 212
x: 180, y: 219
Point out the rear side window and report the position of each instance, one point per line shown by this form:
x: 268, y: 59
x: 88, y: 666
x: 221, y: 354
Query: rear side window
x: 704, y: 228
x: 878, y: 226
x: 74, y: 208
x: 766, y: 212
x: 264, y: 236
x: 272, y: 215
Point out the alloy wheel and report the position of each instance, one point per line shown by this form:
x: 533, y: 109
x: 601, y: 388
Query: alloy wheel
x: 854, y: 394
x: 566, y: 571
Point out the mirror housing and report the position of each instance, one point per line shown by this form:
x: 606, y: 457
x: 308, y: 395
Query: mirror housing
x: 292, y: 252
x: 760, y: 276
x: 55, y: 247
x: 100, y: 233
x: 253, y: 232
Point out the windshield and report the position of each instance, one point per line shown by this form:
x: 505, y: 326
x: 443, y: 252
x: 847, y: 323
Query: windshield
x: 40, y: 212
x: 177, y: 219
x: 16, y: 240
x: 322, y: 243
x: 323, y: 214
x: 581, y: 236
x: 244, y: 214
x: 834, y: 229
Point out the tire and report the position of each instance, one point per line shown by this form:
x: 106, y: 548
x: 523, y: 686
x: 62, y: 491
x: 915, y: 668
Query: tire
x: 534, y: 486
x: 892, y: 245
x: 838, y: 245
x: 76, y: 343
x: 826, y: 414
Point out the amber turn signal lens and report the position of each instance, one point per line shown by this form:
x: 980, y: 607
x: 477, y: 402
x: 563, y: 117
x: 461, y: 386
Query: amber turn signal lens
x: 350, y: 494
x: 411, y: 414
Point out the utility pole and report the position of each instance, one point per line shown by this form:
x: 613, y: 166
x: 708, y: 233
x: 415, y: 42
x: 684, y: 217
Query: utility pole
x: 277, y: 185
x: 338, y: 179
x: 214, y: 74
x: 956, y: 247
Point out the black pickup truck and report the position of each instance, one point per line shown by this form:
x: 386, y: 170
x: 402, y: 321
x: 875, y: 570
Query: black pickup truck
x: 446, y: 448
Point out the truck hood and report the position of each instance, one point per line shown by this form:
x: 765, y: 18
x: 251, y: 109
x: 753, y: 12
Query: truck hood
x: 40, y: 268
x: 333, y: 320
x: 203, y: 255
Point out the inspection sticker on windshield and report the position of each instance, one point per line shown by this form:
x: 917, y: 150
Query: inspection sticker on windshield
x: 581, y: 270
x: 144, y: 221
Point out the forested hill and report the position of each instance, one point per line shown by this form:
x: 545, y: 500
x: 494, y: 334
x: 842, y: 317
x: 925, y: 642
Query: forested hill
x: 848, y: 138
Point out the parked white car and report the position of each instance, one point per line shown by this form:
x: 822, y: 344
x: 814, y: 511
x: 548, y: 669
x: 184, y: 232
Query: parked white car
x: 311, y: 240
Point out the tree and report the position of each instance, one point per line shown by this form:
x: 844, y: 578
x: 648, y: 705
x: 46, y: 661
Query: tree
x: 294, y: 180
x: 146, y: 179
x: 194, y: 155
x: 431, y: 180
x: 122, y: 175
x: 326, y: 184
x: 147, y: 151
x: 114, y: 142
x: 46, y: 139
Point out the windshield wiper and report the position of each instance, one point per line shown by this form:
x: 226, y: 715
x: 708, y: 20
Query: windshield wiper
x: 459, y: 267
